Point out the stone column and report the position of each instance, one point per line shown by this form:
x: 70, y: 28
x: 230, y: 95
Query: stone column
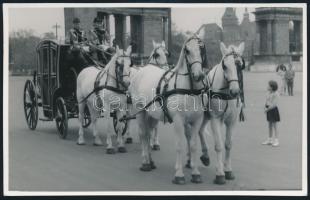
x: 124, y: 42
x: 107, y: 23
x: 269, y: 37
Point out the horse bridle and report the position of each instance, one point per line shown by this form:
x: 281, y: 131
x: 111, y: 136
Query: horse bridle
x: 119, y: 68
x: 235, y: 54
x: 188, y: 64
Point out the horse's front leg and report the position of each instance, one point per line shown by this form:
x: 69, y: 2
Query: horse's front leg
x: 228, y: 145
x: 216, y: 125
x: 204, y: 148
x: 196, y: 177
x: 120, y: 137
x: 110, y: 133
x: 187, y: 131
x: 179, y: 132
x: 129, y: 123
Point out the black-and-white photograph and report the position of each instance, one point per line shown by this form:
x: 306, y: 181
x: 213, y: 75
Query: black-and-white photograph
x: 155, y: 99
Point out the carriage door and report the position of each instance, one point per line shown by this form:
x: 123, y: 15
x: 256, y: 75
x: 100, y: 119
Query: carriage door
x: 45, y: 80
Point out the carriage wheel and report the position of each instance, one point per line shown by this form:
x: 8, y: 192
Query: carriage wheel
x: 61, y: 118
x: 31, y: 105
x: 86, y: 120
x: 116, y: 117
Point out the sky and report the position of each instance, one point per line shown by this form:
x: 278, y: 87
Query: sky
x: 42, y: 20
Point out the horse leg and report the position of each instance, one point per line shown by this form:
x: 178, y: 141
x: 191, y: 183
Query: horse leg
x: 228, y: 144
x: 94, y: 119
x: 216, y: 130
x: 179, y: 132
x: 205, y: 156
x: 188, y: 138
x: 196, y: 177
x: 120, y: 141
x: 81, y: 140
x: 143, y: 133
x: 128, y: 137
x: 154, y: 138
x: 110, y: 148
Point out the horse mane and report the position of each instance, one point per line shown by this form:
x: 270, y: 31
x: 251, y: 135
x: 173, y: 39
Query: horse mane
x: 181, y: 59
x: 110, y: 63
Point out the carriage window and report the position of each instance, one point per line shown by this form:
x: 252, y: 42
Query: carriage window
x: 53, y: 61
x: 45, y: 61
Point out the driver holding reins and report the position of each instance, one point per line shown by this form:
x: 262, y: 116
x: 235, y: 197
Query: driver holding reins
x: 99, y: 39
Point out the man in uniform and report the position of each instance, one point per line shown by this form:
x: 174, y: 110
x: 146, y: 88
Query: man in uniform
x: 76, y: 34
x: 99, y: 40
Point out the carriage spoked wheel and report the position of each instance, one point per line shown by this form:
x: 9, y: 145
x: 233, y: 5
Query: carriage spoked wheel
x: 31, y: 105
x: 61, y: 118
x: 86, y: 120
x: 120, y: 127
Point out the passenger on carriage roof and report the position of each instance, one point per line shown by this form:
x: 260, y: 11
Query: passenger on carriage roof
x: 76, y: 34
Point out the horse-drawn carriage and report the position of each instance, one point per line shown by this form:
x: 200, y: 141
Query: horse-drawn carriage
x: 53, y: 88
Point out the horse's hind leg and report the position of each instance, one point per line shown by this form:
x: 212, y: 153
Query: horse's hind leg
x: 218, y: 141
x: 145, y: 142
x: 228, y: 145
x: 94, y: 119
x: 205, y: 156
x: 81, y: 140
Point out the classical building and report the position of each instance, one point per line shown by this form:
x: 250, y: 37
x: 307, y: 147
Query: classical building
x: 278, y: 37
x: 136, y: 26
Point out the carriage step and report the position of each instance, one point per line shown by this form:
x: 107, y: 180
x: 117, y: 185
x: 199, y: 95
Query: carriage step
x: 45, y: 119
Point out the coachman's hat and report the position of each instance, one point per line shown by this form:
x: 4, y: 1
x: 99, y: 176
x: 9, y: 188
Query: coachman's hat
x: 76, y: 20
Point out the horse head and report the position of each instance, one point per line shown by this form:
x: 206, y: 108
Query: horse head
x: 193, y: 50
x: 122, y: 66
x: 232, y: 64
x: 159, y: 54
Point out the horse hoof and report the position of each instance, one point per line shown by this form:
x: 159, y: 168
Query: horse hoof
x: 153, y: 166
x: 229, y: 175
x: 110, y: 151
x: 196, y: 178
x: 188, y: 164
x: 219, y: 180
x: 205, y: 160
x: 146, y: 167
x: 122, y: 149
x: 156, y: 147
x: 128, y: 140
x: 179, y: 180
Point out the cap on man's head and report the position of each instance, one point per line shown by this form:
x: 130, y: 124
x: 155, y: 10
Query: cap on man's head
x: 76, y: 20
x: 97, y: 20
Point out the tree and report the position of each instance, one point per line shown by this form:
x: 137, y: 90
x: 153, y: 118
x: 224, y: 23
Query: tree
x: 49, y: 35
x: 22, y: 47
x: 177, y: 40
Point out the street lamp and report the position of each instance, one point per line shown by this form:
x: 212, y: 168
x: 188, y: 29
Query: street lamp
x: 56, y: 26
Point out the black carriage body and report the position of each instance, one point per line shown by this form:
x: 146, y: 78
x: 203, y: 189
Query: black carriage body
x: 55, y: 77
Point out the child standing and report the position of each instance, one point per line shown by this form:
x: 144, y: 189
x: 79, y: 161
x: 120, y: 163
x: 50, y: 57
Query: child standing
x: 272, y: 113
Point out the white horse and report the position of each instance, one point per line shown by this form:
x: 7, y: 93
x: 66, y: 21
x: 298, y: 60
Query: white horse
x: 179, y: 102
x: 157, y: 58
x: 224, y: 107
x: 114, y: 80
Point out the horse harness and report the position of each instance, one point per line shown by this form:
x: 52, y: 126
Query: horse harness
x: 162, y: 95
x: 119, y: 68
x: 225, y: 96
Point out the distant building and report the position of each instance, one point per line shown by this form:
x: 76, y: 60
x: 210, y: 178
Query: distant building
x: 232, y: 32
